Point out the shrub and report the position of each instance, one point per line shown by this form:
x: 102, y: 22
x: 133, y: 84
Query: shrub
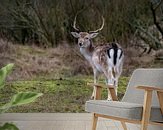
x: 18, y: 99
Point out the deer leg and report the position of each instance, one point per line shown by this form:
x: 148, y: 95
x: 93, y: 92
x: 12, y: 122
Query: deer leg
x: 93, y: 93
x: 116, y: 90
x: 117, y: 75
x: 109, y: 78
x: 109, y: 95
x: 113, y: 76
x: 116, y: 84
x: 96, y: 74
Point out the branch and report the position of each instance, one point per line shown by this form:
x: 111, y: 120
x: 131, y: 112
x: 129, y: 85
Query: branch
x: 158, y: 4
x: 150, y: 36
x: 156, y: 41
x: 154, y: 17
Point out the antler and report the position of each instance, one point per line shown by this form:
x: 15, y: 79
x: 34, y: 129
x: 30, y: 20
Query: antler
x: 103, y: 22
x: 74, y: 24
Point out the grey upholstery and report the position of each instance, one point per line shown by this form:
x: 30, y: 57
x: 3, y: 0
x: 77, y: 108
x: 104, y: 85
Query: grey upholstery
x: 132, y: 104
x: 132, y: 111
x: 147, y: 77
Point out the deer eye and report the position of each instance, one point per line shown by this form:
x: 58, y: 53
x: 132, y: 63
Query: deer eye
x: 86, y: 38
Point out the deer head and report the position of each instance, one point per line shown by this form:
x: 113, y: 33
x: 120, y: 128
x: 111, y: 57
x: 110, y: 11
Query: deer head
x: 84, y: 38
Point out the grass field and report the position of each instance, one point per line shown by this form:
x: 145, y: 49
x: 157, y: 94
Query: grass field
x: 60, y: 95
x: 40, y: 70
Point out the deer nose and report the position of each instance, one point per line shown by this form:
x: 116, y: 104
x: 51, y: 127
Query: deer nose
x: 80, y: 43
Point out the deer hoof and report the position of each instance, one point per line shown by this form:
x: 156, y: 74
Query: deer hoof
x: 92, y: 97
x: 109, y: 99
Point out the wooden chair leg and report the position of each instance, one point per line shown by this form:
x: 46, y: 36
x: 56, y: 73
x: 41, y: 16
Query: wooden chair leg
x: 94, y: 122
x: 113, y: 93
x: 124, y: 125
x: 160, y: 98
x: 146, y: 109
x: 98, y: 93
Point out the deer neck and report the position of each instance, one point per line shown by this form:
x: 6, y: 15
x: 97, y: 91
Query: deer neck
x: 88, y: 52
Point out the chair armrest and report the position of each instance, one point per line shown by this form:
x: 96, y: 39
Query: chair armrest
x: 99, y: 89
x: 150, y: 88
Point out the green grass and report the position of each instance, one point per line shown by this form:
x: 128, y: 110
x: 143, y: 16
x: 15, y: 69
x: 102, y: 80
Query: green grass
x: 60, y: 95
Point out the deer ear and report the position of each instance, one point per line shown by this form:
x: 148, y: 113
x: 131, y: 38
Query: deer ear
x: 93, y: 35
x: 75, y: 34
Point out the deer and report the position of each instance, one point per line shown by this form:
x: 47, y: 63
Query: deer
x: 104, y: 58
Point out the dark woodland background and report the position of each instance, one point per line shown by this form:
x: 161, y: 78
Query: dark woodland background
x: 29, y: 27
x: 49, y: 22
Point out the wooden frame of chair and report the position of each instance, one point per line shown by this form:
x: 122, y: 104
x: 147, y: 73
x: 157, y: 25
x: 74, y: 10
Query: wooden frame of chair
x: 146, y: 107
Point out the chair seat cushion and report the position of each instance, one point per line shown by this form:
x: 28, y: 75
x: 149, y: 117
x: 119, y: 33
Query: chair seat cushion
x: 131, y: 111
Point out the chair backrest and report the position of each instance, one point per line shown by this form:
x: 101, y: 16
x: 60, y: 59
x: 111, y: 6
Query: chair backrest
x: 147, y: 77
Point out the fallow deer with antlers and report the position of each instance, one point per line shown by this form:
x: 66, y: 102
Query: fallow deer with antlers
x: 106, y: 58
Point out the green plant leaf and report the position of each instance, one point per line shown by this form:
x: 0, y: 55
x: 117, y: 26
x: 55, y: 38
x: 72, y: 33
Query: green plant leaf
x: 8, y: 126
x: 5, y: 107
x: 24, y: 98
x: 3, y: 74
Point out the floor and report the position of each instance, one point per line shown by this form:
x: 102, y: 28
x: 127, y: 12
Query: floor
x: 58, y: 121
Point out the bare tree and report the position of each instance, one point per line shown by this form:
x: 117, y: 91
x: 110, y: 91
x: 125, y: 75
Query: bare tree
x: 154, y: 7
